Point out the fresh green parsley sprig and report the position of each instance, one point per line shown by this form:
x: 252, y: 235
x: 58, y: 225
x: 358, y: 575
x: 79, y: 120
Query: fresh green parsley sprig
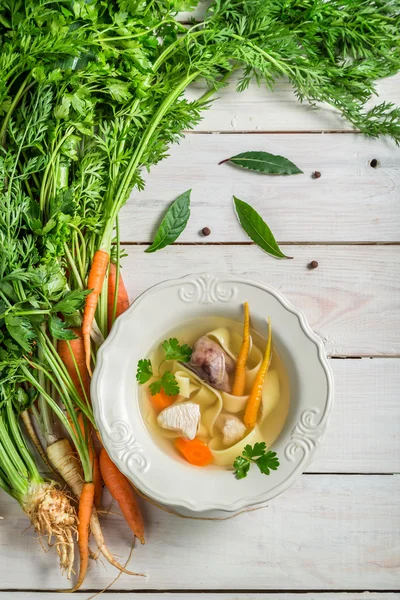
x: 144, y: 371
x: 175, y: 351
x: 265, y: 461
x: 167, y: 381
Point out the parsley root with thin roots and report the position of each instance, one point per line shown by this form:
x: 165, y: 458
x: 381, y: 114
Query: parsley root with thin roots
x: 66, y: 462
x: 47, y: 507
x: 26, y: 419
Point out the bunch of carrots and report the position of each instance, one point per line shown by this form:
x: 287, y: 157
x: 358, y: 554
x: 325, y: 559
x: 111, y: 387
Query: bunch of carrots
x: 77, y: 362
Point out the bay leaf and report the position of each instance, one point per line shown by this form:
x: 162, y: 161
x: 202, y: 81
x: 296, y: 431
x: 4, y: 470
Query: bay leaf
x: 173, y: 223
x: 257, y: 229
x: 264, y: 162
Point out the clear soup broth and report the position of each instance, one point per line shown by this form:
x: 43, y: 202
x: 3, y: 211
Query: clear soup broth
x: 209, y: 412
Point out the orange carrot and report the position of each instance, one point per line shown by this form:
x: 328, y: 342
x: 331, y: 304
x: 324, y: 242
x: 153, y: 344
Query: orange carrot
x: 195, y: 451
x: 122, y: 491
x: 240, y: 373
x: 84, y: 514
x: 96, y: 475
x: 75, y: 350
x: 161, y: 400
x: 71, y: 354
x: 97, y: 480
x: 254, y: 401
x: 95, y: 283
x: 122, y: 299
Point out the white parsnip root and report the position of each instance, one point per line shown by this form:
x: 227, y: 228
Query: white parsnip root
x: 52, y: 515
x: 26, y: 419
x: 65, y: 461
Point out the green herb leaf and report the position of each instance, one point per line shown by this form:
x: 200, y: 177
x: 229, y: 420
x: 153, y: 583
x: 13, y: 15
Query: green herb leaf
x: 71, y: 302
x: 174, y: 351
x: 60, y: 330
x: 173, y: 223
x: 253, y: 451
x: 241, y: 466
x: 263, y: 162
x: 257, y: 229
x: 265, y: 461
x: 21, y: 330
x: 144, y: 371
x: 167, y: 382
x: 155, y: 387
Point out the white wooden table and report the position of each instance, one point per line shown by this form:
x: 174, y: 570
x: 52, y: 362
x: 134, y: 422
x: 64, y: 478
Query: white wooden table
x: 337, y: 529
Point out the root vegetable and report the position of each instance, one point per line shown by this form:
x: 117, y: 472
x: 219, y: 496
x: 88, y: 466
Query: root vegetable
x: 52, y: 514
x: 122, y: 491
x: 65, y: 461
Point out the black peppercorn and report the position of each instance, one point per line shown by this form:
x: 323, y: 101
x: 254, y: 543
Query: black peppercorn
x: 313, y: 264
x: 206, y: 231
x: 374, y: 163
x: 316, y: 175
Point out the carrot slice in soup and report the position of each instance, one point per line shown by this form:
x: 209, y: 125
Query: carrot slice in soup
x: 195, y: 451
x: 160, y: 400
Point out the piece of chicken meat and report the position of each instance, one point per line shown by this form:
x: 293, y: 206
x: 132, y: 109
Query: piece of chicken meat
x: 212, y: 364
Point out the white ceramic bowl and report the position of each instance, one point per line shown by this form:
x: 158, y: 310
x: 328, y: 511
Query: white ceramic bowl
x: 115, y: 392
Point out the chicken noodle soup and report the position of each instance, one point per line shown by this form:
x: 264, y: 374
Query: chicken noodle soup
x: 197, y: 402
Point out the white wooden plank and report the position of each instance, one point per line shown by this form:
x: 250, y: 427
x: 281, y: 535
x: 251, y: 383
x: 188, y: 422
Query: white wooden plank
x: 326, y: 532
x: 364, y: 430
x: 204, y: 596
x: 351, y: 300
x: 259, y: 109
x: 350, y: 202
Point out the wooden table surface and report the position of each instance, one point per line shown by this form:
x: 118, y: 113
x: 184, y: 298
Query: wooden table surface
x: 335, y: 533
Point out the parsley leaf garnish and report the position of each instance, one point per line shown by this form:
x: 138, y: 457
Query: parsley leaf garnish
x: 144, y: 370
x: 253, y: 451
x: 167, y: 382
x: 241, y: 466
x: 174, y: 351
x: 265, y: 461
